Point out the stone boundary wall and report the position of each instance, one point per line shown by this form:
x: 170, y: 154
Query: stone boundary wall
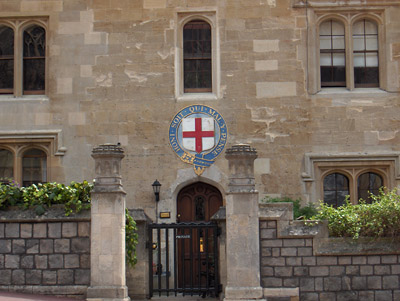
x: 47, y: 254
x: 302, y: 264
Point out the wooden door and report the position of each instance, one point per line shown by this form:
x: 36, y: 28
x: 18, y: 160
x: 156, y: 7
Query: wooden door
x: 196, y: 203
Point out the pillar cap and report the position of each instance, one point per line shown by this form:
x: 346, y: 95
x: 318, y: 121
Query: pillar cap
x: 241, y: 148
x: 108, y: 148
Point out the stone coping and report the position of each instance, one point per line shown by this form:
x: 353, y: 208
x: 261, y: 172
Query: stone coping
x: 54, y: 213
x: 139, y: 216
x: 332, y: 246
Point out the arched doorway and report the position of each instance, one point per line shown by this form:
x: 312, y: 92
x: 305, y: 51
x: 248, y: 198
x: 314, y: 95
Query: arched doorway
x: 197, y: 256
x: 198, y: 202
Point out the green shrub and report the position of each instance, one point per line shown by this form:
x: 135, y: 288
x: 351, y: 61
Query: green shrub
x: 378, y: 219
x: 75, y: 197
x: 299, y: 212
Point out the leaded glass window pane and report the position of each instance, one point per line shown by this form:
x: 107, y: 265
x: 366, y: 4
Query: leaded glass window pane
x: 6, y: 60
x: 336, y: 188
x: 332, y: 54
x: 366, y: 55
x: 34, y: 59
x: 369, y: 182
x: 34, y: 167
x: 6, y: 165
x: 197, y: 57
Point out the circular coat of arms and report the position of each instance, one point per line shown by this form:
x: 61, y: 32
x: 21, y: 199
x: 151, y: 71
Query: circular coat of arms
x: 198, y: 134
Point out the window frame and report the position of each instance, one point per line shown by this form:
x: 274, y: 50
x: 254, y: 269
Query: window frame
x: 348, y: 18
x: 18, y: 25
x: 182, y: 18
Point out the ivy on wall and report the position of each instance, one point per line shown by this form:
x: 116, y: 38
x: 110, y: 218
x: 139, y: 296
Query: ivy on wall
x: 75, y: 198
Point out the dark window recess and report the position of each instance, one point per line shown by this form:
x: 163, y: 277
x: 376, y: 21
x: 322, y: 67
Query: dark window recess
x: 369, y: 182
x: 6, y: 166
x: 34, y: 60
x: 197, y: 57
x: 34, y: 167
x: 6, y: 60
x: 200, y: 208
x: 332, y: 54
x: 366, y: 55
x: 336, y: 188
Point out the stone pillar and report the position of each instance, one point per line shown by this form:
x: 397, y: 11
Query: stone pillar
x: 242, y: 226
x: 107, y: 248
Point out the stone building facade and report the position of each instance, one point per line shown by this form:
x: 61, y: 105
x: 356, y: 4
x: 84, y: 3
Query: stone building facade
x: 313, y: 85
x: 113, y: 73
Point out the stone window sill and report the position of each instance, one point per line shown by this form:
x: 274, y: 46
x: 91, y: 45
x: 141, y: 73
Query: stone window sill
x: 196, y: 97
x: 24, y: 98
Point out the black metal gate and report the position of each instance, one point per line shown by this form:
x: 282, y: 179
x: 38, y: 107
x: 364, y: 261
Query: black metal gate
x: 183, y: 259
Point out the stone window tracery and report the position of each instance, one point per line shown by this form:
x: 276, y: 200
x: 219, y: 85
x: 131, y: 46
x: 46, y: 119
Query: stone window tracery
x: 22, y: 56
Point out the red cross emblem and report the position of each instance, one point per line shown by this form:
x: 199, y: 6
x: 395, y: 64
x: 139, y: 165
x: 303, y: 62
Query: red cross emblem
x: 201, y: 134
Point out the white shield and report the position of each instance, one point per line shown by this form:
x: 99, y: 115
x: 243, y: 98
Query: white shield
x: 198, y: 134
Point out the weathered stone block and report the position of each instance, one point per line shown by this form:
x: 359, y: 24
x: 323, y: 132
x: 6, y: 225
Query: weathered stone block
x: 40, y: 230
x: 346, y: 283
x: 276, y: 252
x: 359, y: 260
x: 69, y: 230
x: 327, y: 260
x: 65, y: 276
x: 271, y: 282
x: 27, y: 262
x: 33, y: 276
x: 383, y: 295
x: 46, y: 246
x: 374, y: 282
x: 49, y: 277
x: 390, y: 282
x: 32, y: 246
x: 283, y: 271
x: 307, y: 284
x: 293, y: 261
x: 291, y: 282
x: 84, y: 261
x: 366, y: 295
x: 54, y: 230
x: 309, y: 261
x: 300, y: 271
x: 359, y: 282
x: 319, y: 271
x: 80, y: 245
x: 12, y: 230
x: 41, y: 262
x: 2, y: 226
x: 310, y: 297
x: 273, y: 261
x: 26, y: 230
x: 273, y: 243
x: 382, y: 269
x: 5, y: 277
x: 374, y: 259
x: 82, y: 276
x: 353, y: 270
x: 62, y: 245
x: 18, y: 277
x: 336, y: 271
x: 266, y: 252
x: 11, y: 261
x: 332, y: 284
x: 294, y: 243
x: 267, y: 271
x: 288, y: 251
x: 344, y: 260
x: 327, y: 297
x: 268, y: 233
x: 1, y: 261
x: 389, y: 259
x: 396, y: 269
x: 18, y: 246
x: 348, y: 296
x: 366, y: 270
x: 71, y: 261
x: 304, y: 251
x: 84, y: 229
x: 5, y: 246
x: 56, y: 261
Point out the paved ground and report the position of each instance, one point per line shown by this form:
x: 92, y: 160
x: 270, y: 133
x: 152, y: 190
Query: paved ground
x: 6, y: 296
